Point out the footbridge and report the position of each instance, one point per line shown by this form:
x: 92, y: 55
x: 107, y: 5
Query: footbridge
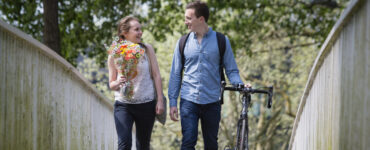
x: 334, y: 112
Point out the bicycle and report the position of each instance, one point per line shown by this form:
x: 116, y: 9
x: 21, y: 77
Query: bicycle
x: 242, y: 130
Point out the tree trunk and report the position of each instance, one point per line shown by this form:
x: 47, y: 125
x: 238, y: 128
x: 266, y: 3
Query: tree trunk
x: 51, y: 27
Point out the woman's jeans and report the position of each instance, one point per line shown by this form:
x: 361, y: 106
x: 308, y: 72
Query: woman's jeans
x: 125, y: 115
x: 209, y: 115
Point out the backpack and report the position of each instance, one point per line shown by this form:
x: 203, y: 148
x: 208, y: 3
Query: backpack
x: 221, y: 42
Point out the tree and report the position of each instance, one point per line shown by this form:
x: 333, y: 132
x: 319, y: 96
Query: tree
x: 91, y: 23
x: 51, y: 27
x: 84, y: 26
x: 254, y: 19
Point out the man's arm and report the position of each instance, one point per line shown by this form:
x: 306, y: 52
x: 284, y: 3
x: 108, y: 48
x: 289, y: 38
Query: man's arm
x: 231, y: 67
x: 175, y: 82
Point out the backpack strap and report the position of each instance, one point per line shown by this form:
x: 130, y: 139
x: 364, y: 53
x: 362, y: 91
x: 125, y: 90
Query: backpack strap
x: 221, y: 42
x: 182, y: 43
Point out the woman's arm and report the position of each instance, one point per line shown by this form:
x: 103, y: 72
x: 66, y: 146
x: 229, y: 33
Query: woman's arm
x: 155, y: 72
x: 114, y: 84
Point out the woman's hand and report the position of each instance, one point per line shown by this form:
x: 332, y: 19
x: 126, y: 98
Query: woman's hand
x: 121, y: 81
x: 159, y: 108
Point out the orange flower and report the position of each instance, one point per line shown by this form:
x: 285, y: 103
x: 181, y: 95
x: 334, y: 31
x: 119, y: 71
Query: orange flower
x: 129, y: 56
x: 129, y: 51
x: 122, y: 47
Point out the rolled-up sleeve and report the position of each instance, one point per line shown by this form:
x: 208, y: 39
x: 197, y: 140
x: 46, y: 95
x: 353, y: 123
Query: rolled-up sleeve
x: 231, y: 67
x: 175, y: 77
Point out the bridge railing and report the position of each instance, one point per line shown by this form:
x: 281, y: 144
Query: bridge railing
x: 334, y: 112
x: 45, y: 103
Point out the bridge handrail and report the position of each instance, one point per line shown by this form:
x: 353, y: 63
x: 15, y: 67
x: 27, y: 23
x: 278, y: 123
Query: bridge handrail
x: 325, y: 49
x: 52, y: 54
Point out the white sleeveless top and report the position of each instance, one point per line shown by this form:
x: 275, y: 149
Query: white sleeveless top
x: 143, y: 85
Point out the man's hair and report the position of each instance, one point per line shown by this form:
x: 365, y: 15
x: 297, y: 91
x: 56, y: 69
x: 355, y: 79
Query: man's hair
x: 200, y: 8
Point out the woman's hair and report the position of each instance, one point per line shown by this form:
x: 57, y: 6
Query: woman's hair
x: 200, y: 9
x: 124, y: 26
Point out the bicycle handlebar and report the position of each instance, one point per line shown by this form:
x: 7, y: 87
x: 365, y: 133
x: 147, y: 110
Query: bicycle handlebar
x: 246, y: 90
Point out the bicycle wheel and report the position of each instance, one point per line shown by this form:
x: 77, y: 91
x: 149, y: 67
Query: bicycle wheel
x: 242, y: 135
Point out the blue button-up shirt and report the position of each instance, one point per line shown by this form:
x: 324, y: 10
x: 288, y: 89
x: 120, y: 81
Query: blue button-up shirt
x: 201, y: 81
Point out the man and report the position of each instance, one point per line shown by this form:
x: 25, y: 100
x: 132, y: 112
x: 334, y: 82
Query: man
x: 200, y: 84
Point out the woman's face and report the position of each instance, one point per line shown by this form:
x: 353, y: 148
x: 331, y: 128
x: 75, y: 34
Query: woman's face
x: 135, y: 33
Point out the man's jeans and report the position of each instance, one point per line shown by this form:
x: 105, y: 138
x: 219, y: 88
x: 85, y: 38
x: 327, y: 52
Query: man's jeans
x: 125, y: 115
x: 209, y: 115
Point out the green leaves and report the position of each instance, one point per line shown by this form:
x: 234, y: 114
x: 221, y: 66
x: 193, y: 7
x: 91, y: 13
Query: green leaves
x: 88, y: 24
x: 259, y: 19
x: 24, y: 15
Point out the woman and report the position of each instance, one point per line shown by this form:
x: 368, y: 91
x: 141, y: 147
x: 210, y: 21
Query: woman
x: 134, y: 75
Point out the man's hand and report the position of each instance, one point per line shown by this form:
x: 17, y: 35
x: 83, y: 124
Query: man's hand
x: 174, y: 114
x: 248, y: 85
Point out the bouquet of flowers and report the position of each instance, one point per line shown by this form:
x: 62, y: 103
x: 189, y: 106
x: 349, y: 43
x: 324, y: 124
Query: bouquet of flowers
x: 126, y: 57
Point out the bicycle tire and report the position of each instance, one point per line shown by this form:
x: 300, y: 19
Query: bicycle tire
x: 242, y: 135
x: 237, y: 144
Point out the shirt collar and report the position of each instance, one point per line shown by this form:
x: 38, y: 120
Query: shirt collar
x: 205, y: 35
x: 209, y: 32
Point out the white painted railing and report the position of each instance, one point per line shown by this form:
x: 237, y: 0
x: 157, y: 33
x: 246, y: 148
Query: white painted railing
x: 334, y: 112
x: 45, y: 103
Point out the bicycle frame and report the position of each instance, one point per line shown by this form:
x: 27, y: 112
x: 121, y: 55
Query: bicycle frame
x: 242, y: 129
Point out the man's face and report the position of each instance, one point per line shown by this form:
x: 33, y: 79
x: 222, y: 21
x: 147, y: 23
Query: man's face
x: 191, y: 20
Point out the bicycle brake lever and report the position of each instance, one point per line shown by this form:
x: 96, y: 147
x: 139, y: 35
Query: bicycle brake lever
x: 240, y: 86
x: 269, y: 102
